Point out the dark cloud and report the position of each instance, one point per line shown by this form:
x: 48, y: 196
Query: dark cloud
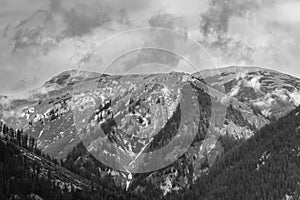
x: 158, y: 56
x: 216, y: 19
x: 131, y: 6
x: 82, y: 17
x: 79, y: 24
x: 166, y: 20
x: 37, y: 31
x: 214, y: 27
x: 55, y: 5
x: 46, y: 28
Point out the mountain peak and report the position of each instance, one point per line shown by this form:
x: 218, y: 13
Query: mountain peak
x: 70, y: 76
x: 230, y: 69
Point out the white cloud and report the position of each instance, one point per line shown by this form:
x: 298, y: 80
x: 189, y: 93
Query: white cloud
x: 283, y: 12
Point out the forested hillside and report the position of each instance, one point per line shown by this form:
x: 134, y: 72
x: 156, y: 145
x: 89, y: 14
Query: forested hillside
x: 26, y: 173
x: 267, y: 166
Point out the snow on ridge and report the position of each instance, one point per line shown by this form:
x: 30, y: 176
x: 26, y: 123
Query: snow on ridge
x: 234, y: 91
x: 295, y: 96
x: 254, y: 83
x: 231, y: 69
x: 266, y: 103
x: 241, y: 75
x: 5, y: 101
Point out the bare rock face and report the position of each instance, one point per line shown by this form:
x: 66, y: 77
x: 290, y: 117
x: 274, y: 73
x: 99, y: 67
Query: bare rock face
x: 128, y: 118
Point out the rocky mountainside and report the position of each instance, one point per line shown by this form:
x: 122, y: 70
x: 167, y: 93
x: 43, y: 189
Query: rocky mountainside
x: 140, y: 114
x: 268, y: 92
x: 26, y: 173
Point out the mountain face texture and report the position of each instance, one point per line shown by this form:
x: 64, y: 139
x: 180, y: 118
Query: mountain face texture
x: 76, y: 116
x: 268, y: 92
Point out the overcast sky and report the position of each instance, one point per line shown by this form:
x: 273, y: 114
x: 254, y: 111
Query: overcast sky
x: 40, y: 39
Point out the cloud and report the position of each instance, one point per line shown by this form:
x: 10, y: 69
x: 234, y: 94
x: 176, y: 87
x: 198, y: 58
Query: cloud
x: 149, y: 56
x: 214, y: 27
x: 285, y: 13
x: 166, y: 20
x: 163, y: 57
x: 131, y: 6
x: 25, y: 84
x: 82, y: 17
x: 46, y: 28
x: 12, y: 11
x: 253, y: 32
x: 216, y: 19
x: 56, y: 35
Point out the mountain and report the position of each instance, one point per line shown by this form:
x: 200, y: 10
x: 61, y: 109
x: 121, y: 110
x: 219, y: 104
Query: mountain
x: 61, y: 83
x: 70, y: 77
x: 213, y: 111
x: 264, y: 167
x: 269, y: 92
x: 26, y: 173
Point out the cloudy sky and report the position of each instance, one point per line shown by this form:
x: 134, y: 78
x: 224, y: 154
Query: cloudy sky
x: 40, y: 39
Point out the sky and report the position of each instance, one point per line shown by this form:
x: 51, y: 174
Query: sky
x: 40, y: 39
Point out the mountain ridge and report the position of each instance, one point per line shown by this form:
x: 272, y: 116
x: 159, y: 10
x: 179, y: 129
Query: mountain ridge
x: 231, y: 106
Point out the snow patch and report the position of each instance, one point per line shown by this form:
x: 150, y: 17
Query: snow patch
x: 254, y: 83
x: 234, y: 91
x: 295, y: 97
x: 241, y: 75
x: 41, y: 133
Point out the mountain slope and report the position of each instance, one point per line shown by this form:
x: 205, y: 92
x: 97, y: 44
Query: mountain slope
x: 65, y: 120
x: 264, y: 167
x: 25, y: 172
x: 268, y: 92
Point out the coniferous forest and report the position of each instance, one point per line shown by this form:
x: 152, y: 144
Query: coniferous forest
x: 267, y: 166
x: 27, y: 173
